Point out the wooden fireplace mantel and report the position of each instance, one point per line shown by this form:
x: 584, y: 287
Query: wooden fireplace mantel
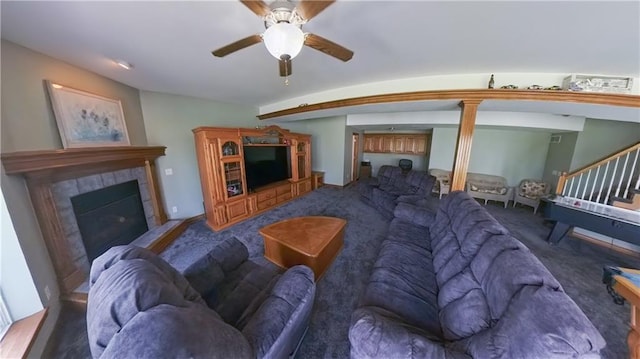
x: 41, y: 169
x: 76, y: 162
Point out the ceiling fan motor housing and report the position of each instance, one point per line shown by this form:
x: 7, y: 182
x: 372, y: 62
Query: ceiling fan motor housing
x: 283, y: 11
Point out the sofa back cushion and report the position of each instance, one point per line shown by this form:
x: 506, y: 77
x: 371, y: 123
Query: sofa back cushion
x: 419, y: 182
x: 458, y: 233
x: 531, y: 315
x: 491, y: 286
x: 486, y: 182
x: 390, y: 176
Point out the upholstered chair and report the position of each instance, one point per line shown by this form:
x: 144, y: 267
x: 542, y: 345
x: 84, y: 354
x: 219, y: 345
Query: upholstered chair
x: 530, y: 191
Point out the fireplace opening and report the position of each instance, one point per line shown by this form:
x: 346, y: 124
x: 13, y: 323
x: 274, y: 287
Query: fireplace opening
x: 108, y: 217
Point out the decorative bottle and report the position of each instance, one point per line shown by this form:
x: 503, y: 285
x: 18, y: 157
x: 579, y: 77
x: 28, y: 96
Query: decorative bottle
x: 491, y: 82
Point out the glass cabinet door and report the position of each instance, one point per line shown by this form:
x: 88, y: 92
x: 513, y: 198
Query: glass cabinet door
x: 302, y: 166
x: 230, y: 148
x: 233, y: 178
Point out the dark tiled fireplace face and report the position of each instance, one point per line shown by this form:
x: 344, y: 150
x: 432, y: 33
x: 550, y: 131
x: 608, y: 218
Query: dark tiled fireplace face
x: 64, y: 190
x: 108, y: 217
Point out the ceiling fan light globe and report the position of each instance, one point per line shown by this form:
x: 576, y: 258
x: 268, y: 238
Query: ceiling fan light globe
x: 283, y: 39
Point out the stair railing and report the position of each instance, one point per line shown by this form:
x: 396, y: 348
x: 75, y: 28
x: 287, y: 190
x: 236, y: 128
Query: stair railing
x: 615, y: 174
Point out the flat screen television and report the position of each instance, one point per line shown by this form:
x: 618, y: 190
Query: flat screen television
x: 266, y: 164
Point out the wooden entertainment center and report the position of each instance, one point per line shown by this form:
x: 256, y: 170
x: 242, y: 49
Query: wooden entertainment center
x: 228, y: 199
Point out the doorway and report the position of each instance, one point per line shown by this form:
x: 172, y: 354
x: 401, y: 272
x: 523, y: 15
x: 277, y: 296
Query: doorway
x: 355, y: 154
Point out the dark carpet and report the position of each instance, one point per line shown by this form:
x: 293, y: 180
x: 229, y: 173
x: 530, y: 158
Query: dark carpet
x: 575, y: 263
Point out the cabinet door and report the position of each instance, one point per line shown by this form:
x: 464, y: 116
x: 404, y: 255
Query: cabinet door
x: 377, y: 144
x: 420, y: 145
x: 368, y: 144
x: 387, y: 144
x: 398, y: 144
x: 410, y: 144
x: 237, y: 210
x: 233, y: 178
x: 229, y: 147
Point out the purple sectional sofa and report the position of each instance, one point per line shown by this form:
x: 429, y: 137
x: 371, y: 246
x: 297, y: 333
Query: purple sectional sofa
x: 224, y: 306
x: 390, y: 185
x: 456, y: 284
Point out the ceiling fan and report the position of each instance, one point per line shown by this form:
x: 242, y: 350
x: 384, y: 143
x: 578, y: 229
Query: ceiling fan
x: 283, y: 36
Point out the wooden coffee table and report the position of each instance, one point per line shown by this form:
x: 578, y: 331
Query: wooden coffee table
x: 313, y: 241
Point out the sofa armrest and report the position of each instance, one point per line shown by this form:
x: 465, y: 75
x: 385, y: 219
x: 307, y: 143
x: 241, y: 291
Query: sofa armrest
x: 375, y: 333
x: 279, y: 323
x: 209, y: 271
x: 413, y: 214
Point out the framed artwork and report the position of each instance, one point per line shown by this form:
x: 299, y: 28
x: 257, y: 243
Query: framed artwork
x: 87, y: 120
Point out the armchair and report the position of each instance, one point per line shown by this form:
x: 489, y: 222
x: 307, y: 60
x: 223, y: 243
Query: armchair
x: 443, y: 181
x: 223, y: 306
x: 530, y: 191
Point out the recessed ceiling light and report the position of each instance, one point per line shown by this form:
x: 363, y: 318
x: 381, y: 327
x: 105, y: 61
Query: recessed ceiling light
x: 125, y: 65
x: 56, y: 86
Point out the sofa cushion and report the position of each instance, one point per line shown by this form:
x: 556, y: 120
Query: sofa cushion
x: 540, y: 322
x: 486, y: 181
x: 533, y: 189
x: 402, y: 281
x: 490, y: 189
x: 166, y: 331
x: 416, y: 215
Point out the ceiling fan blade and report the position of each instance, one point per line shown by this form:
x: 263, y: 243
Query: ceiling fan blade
x: 285, y: 68
x: 328, y: 47
x: 238, y: 45
x: 257, y: 6
x: 310, y: 8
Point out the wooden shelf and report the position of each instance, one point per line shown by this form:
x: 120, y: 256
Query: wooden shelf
x: 265, y: 145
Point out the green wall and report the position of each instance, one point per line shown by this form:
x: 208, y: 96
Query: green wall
x: 600, y: 138
x: 328, y: 138
x: 559, y: 157
x: 169, y: 120
x: 28, y: 123
x: 512, y: 153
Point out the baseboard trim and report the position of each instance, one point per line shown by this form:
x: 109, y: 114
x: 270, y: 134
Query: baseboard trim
x: 167, y: 238
x: 603, y: 244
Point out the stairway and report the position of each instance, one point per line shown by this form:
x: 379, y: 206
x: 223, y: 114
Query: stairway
x: 603, y: 197
x: 610, y: 185
x: 632, y: 204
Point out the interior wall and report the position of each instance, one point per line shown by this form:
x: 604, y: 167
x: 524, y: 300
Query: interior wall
x: 559, y: 157
x: 28, y: 123
x: 169, y: 120
x: 601, y: 138
x: 327, y: 145
x: 513, y: 154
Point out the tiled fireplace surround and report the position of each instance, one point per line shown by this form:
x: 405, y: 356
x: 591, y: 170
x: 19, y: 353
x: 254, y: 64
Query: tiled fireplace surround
x: 54, y: 176
x: 63, y: 191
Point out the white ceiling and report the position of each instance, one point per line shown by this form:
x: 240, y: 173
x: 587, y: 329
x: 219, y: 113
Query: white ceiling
x: 170, y: 42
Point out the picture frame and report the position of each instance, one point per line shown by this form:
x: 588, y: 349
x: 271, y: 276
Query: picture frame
x: 87, y: 120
